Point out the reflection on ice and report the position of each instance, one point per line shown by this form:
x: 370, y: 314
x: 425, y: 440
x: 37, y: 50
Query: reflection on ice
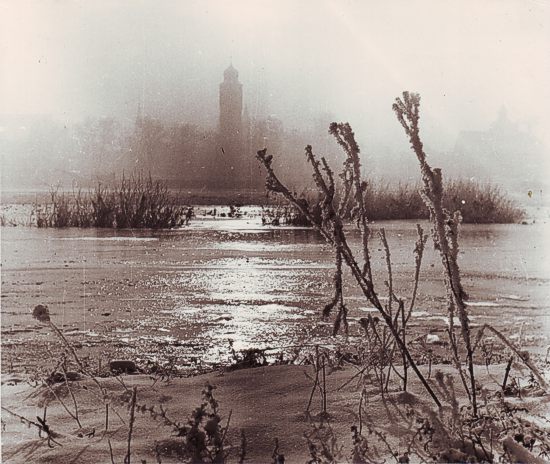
x: 187, y: 292
x: 258, y: 246
x: 110, y: 239
x: 486, y: 304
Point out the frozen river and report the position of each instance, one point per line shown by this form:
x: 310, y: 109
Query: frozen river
x: 189, y: 293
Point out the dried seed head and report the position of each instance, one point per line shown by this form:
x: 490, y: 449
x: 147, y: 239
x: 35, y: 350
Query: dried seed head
x: 41, y: 313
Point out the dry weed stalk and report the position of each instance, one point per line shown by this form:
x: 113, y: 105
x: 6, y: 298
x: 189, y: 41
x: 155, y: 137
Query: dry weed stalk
x: 330, y: 226
x: 445, y: 237
x: 522, y: 355
x: 42, y: 314
x: 41, y: 425
x: 74, y: 414
x: 131, y: 426
x: 320, y: 383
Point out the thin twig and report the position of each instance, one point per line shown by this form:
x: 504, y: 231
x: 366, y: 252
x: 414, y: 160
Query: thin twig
x: 75, y: 417
x: 111, y: 451
x: 72, y: 395
x: 522, y: 356
x: 131, y: 426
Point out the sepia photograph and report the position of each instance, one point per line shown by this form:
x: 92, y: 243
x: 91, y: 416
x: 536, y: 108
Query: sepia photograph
x: 275, y: 231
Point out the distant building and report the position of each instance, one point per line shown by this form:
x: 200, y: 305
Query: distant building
x: 505, y: 153
x: 235, y: 166
x: 231, y: 110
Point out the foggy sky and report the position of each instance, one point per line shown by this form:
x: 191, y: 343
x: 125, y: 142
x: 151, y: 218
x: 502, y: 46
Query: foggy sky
x: 296, y: 59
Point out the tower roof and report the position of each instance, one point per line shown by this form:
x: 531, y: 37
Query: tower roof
x: 231, y: 73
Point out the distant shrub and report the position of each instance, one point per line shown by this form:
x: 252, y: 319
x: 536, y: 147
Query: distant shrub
x: 481, y: 203
x: 401, y: 201
x: 478, y: 203
x: 135, y: 202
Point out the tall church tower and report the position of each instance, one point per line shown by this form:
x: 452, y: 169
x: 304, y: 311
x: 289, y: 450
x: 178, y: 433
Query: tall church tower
x: 231, y: 105
x: 235, y: 167
x: 230, y: 163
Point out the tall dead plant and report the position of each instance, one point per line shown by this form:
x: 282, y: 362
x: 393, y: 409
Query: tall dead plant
x: 445, y: 237
x: 330, y: 226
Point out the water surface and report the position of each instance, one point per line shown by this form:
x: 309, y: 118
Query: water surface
x: 189, y: 293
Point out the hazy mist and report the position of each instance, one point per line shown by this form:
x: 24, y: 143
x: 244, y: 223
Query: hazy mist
x: 298, y: 60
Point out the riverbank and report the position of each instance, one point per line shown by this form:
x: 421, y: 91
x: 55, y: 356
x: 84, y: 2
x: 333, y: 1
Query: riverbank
x: 267, y: 403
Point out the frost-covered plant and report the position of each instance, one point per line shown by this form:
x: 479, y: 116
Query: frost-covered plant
x: 445, y: 231
x: 330, y: 226
x: 323, y: 444
x: 204, y: 435
x: 445, y: 237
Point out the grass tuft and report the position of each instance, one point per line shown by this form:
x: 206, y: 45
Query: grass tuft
x: 135, y: 202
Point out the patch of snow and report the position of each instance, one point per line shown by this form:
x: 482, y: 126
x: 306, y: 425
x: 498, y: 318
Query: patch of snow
x: 514, y: 297
x: 420, y: 313
x: 110, y: 239
x: 484, y: 304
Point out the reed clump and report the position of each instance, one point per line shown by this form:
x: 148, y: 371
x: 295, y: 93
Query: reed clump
x: 478, y: 203
x: 135, y: 202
